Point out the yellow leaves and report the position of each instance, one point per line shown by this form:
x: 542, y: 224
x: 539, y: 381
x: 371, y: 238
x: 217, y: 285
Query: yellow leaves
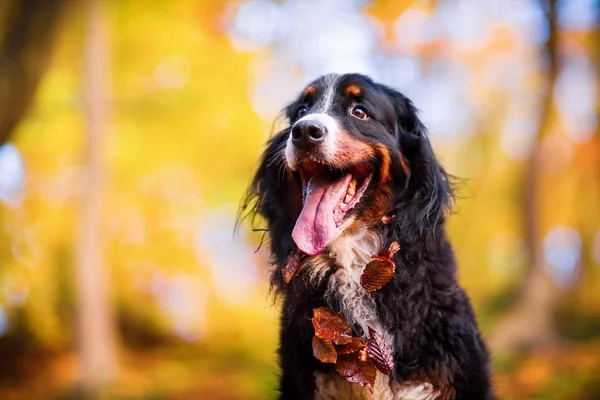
x: 387, y: 10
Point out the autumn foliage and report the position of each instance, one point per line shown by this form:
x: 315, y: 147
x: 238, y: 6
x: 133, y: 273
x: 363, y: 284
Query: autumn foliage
x: 192, y: 101
x: 355, y: 359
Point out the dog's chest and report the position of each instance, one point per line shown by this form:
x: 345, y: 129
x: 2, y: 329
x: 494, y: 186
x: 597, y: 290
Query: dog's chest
x: 333, y: 387
x: 344, y: 291
x: 351, y: 254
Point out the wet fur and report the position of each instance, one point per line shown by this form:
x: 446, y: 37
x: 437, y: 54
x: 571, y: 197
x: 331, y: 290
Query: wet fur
x: 423, y: 312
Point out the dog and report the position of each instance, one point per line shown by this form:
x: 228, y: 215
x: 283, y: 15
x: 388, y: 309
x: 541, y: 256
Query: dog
x: 352, y: 173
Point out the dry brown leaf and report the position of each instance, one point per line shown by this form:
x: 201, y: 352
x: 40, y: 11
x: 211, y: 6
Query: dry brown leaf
x: 388, y: 219
x: 354, y: 346
x: 379, y: 352
x: 347, y: 365
x: 363, y: 355
x: 324, y: 350
x: 377, y: 273
x: 393, y: 249
x: 355, y: 371
x: 389, y: 252
x: 290, y: 267
x: 330, y: 325
x: 383, y: 253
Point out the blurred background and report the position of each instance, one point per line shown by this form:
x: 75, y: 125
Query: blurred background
x: 129, y: 131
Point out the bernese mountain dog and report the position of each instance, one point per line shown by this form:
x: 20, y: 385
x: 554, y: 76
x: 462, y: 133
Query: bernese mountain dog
x: 353, y: 173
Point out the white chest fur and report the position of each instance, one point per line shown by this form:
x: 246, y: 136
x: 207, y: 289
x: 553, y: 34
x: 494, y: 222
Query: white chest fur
x: 334, y: 387
x: 351, y: 253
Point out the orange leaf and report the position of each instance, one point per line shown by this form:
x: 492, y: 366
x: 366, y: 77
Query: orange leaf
x: 291, y: 266
x: 355, y: 371
x: 355, y: 345
x: 377, y: 273
x: 347, y: 365
x: 330, y: 325
x: 379, y: 352
x: 389, y: 252
x: 363, y: 355
x: 393, y: 249
x: 323, y: 350
x: 388, y: 219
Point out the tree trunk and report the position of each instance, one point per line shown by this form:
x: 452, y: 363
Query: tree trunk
x: 24, y: 55
x: 95, y: 324
x: 529, y: 323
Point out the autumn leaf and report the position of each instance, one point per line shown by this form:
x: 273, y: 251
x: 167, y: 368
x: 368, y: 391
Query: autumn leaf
x: 330, y: 325
x: 347, y: 365
x: 377, y: 273
x: 388, y: 219
x: 324, y: 350
x: 389, y: 252
x: 393, y: 249
x: 290, y: 267
x: 363, y: 355
x: 355, y: 371
x: 354, y: 346
x: 379, y: 352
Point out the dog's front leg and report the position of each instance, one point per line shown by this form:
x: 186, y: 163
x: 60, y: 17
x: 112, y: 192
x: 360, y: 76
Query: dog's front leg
x: 298, y: 366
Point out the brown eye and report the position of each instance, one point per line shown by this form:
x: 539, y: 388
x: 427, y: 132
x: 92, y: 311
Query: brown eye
x: 301, y: 112
x: 359, y: 113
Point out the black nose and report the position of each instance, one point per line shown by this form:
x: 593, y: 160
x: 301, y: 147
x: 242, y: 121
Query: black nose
x: 307, y: 134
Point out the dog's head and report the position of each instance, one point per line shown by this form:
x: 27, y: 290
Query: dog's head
x: 354, y: 152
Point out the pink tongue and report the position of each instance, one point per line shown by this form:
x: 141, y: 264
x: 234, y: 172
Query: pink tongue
x: 316, y: 227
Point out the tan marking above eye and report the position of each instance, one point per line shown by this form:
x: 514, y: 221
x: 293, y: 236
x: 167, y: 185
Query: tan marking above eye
x: 310, y: 91
x: 353, y: 90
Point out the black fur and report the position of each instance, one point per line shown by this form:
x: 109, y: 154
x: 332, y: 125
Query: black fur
x: 432, y: 322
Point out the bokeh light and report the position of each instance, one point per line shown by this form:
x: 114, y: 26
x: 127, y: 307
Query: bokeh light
x: 192, y: 91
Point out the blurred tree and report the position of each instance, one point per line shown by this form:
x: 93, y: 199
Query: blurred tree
x: 27, y: 30
x: 95, y: 322
x: 530, y: 322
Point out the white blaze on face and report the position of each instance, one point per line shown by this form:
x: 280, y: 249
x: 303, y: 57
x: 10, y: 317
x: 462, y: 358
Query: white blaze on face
x: 321, y: 112
x: 326, y: 101
x: 323, y: 193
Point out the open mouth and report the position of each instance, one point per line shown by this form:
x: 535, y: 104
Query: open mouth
x: 328, y: 195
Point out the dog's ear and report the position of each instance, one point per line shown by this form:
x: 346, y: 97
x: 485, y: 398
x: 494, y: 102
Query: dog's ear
x: 274, y: 195
x: 428, y: 192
